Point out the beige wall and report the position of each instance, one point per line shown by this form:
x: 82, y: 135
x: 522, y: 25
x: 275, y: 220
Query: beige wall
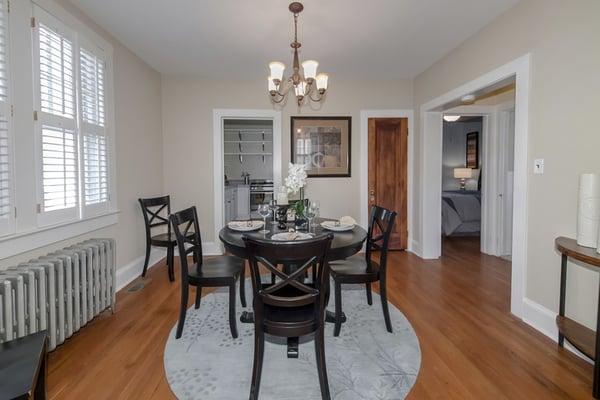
x: 562, y: 37
x: 188, y: 135
x: 138, y: 145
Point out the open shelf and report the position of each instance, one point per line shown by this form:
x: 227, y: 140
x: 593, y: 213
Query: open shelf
x: 581, y: 337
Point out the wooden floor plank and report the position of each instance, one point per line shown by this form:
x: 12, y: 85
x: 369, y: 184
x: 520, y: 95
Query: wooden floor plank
x: 472, y: 347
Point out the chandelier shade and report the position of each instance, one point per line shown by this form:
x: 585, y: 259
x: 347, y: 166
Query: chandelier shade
x: 306, y: 85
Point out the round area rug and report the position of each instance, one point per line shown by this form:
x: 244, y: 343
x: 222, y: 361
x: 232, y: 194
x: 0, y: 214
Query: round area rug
x: 364, y: 362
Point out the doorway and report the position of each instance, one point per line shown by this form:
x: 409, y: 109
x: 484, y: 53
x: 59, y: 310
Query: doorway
x: 430, y: 173
x: 388, y: 171
x: 233, y: 120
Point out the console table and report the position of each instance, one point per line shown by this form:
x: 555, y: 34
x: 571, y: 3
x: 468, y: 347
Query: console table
x: 581, y: 337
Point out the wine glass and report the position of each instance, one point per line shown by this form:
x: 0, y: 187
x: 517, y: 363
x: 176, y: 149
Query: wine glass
x: 264, y: 210
x: 311, y: 212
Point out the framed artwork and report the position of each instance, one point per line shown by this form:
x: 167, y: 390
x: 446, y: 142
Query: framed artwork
x: 322, y: 144
x: 472, y: 154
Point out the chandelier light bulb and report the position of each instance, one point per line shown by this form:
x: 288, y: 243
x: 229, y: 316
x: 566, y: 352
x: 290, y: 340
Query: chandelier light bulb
x: 272, y: 86
x: 277, y: 69
x: 310, y: 69
x: 322, y: 80
x: 300, y: 89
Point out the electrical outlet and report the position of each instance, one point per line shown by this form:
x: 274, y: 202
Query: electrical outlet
x: 538, y: 166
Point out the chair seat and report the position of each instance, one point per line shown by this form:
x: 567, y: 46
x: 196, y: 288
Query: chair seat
x: 354, y: 270
x: 216, y: 270
x: 163, y: 239
x: 289, y: 321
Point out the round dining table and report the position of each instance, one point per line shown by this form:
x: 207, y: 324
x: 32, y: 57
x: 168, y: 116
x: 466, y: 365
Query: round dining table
x: 343, y: 245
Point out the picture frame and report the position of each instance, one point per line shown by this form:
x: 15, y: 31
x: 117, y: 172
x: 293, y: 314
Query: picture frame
x: 472, y: 150
x: 323, y: 144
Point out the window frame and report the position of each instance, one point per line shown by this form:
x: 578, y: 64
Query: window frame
x: 8, y: 225
x: 29, y: 230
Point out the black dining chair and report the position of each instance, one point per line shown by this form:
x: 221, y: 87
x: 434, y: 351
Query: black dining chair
x: 210, y: 272
x: 364, y: 269
x: 289, y: 308
x: 156, y: 212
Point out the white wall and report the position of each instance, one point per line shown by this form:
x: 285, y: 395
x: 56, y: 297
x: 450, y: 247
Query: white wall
x: 138, y: 130
x: 188, y: 105
x: 564, y: 101
x: 454, y: 149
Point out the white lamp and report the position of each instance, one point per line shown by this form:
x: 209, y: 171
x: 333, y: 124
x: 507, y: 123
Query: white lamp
x: 277, y: 69
x: 310, y: 69
x: 463, y: 174
x: 322, y: 82
x: 451, y: 118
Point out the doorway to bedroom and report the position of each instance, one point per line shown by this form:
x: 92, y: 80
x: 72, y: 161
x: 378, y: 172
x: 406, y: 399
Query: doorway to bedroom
x: 477, y: 171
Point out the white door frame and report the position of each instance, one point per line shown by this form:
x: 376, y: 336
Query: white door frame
x: 364, y: 165
x: 431, y: 176
x: 218, y: 159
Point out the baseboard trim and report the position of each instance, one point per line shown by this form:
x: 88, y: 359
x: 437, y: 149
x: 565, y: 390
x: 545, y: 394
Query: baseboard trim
x: 544, y: 320
x: 127, y: 273
x: 414, y: 247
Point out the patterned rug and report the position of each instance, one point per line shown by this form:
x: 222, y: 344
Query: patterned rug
x: 364, y: 362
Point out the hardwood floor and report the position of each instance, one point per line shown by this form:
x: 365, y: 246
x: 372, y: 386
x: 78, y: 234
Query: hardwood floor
x: 472, y: 347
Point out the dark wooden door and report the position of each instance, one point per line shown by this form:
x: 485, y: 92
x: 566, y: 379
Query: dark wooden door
x: 388, y: 164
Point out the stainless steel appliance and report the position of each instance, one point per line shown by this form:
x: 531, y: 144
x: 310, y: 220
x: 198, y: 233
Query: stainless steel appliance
x: 261, y: 191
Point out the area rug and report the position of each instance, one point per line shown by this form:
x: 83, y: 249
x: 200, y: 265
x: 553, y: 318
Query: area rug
x: 365, y: 362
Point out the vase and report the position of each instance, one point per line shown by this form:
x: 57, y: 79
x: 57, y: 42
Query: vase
x: 301, y: 221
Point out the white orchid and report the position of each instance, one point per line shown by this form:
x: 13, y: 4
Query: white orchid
x: 296, y: 178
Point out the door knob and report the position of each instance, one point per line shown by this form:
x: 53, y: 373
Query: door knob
x: 372, y: 195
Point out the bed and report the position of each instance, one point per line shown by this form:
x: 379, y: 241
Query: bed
x: 461, y: 213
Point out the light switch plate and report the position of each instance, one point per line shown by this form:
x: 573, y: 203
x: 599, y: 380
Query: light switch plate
x: 538, y: 166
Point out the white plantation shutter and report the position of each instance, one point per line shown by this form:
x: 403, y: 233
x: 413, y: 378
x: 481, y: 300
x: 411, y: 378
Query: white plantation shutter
x: 95, y: 158
x: 58, y: 192
x: 6, y: 192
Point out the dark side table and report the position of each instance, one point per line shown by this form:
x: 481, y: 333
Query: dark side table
x: 23, y: 367
x: 581, y: 337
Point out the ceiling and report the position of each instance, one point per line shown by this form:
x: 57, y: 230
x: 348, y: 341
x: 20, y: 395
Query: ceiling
x: 233, y: 39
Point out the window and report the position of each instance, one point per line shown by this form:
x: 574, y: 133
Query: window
x: 73, y: 175
x: 92, y: 69
x: 6, y: 195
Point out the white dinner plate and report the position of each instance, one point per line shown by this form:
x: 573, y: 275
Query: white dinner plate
x: 286, y: 236
x: 331, y: 225
x: 245, y: 226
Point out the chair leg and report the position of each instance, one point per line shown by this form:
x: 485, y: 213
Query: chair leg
x: 384, y: 306
x: 170, y: 256
x: 198, y: 297
x: 259, y: 351
x: 148, y: 247
x: 183, y: 308
x: 243, y: 285
x: 232, y: 323
x: 338, y: 309
x: 321, y: 365
x: 314, y: 273
x: 369, y: 295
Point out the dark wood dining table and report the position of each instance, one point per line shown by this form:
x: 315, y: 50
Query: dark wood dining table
x: 343, y: 245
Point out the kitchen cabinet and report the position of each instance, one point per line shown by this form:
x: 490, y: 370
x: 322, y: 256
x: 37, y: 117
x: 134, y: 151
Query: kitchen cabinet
x: 242, y: 199
x: 230, y: 203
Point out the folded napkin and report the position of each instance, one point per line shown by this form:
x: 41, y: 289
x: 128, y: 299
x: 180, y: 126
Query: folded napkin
x: 347, y: 220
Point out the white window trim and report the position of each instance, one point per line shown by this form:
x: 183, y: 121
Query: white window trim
x: 27, y: 234
x: 8, y: 226
x: 23, y: 242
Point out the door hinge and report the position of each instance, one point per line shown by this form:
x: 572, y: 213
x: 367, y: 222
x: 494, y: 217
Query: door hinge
x: 8, y: 6
x: 39, y: 208
x: 12, y: 110
x: 15, y: 212
x: 35, y: 116
x: 33, y: 22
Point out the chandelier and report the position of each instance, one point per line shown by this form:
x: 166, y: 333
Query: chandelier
x: 310, y: 85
